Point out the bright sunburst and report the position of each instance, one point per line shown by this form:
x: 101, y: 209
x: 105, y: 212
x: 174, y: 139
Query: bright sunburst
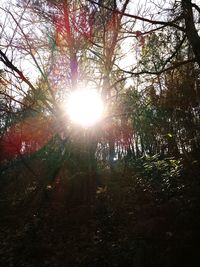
x: 85, y: 107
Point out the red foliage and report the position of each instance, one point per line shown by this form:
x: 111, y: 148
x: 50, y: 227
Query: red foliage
x: 26, y: 137
x: 118, y: 132
x: 140, y: 37
x: 70, y: 23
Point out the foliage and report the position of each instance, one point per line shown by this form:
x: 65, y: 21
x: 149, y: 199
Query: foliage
x: 159, y: 175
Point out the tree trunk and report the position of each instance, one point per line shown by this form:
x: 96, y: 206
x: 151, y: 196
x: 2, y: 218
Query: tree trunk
x: 190, y: 29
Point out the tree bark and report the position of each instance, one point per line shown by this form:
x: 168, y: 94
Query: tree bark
x: 191, y: 31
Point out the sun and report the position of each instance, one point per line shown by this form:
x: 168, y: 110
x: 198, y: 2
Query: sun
x: 85, y: 107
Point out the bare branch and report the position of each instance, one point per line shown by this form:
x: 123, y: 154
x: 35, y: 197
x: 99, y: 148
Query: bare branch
x: 172, y: 67
x: 154, y: 22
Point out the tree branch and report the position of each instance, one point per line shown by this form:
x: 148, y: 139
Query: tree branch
x: 155, y: 22
x: 174, y: 66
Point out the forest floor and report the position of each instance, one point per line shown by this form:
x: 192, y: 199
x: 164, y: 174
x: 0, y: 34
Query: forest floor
x: 120, y: 223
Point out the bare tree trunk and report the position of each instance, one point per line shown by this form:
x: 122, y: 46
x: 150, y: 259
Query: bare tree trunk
x: 190, y: 29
